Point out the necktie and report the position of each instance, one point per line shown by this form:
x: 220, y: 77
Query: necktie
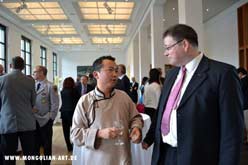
x: 171, y: 103
x: 38, y: 87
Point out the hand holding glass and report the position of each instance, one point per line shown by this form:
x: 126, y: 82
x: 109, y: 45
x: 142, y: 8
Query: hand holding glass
x: 119, y: 125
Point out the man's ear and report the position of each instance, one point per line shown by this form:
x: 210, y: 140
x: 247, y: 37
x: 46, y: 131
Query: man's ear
x: 186, y: 45
x: 95, y: 74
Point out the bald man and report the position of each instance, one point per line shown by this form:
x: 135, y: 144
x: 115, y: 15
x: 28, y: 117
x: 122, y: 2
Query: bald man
x: 1, y: 70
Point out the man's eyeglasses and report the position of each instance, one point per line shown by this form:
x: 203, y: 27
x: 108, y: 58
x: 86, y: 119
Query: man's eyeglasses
x: 111, y: 70
x: 170, y: 47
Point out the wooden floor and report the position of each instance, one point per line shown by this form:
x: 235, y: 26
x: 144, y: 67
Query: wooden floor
x: 59, y: 147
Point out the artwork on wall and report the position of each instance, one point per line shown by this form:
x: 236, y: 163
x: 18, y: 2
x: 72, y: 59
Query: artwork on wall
x: 84, y: 70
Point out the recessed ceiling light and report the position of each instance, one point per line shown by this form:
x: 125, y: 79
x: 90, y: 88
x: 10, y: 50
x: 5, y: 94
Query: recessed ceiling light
x: 163, y: 20
x: 207, y: 10
x: 173, y: 8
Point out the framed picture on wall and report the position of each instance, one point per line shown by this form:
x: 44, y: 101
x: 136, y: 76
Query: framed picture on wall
x: 84, y: 70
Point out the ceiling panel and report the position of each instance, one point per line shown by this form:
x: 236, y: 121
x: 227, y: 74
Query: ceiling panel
x: 36, y: 10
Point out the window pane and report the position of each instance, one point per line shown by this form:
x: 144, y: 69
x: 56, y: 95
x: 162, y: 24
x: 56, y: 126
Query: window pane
x: 22, y: 54
x: 28, y: 59
x: 22, y: 44
x: 2, y: 35
x: 2, y: 62
x: 2, y: 51
x: 28, y: 70
x: 27, y: 46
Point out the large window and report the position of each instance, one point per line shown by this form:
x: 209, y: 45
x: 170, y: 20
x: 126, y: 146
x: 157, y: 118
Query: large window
x: 26, y: 54
x: 3, y: 47
x: 43, y: 56
x: 55, y: 71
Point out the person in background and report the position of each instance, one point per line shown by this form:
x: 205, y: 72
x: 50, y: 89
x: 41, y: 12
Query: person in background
x: 17, y: 92
x: 1, y: 70
x: 93, y: 125
x: 70, y: 97
x: 123, y: 82
x: 161, y: 78
x: 244, y: 85
x: 1, y: 73
x: 142, y: 89
x: 45, y: 110
x: 134, y: 90
x: 200, y: 116
x: 92, y: 80
x: 83, y: 88
x: 152, y: 93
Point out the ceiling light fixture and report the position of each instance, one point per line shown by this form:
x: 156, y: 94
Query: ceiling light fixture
x: 108, y: 8
x: 108, y: 29
x: 47, y: 29
x: 22, y: 7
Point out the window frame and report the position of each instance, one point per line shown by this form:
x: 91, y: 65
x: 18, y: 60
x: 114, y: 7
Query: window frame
x: 4, y: 43
x: 55, y: 65
x: 43, y: 59
x: 25, y: 53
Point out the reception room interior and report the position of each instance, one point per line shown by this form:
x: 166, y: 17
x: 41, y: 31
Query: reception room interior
x: 65, y: 35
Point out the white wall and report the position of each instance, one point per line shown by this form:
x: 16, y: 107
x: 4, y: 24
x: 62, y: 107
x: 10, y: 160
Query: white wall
x: 221, y: 36
x: 14, y: 34
x: 70, y: 60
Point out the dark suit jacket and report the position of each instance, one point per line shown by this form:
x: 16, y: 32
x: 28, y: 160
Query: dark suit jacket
x: 134, y: 91
x: 79, y: 88
x: 244, y: 85
x: 124, y: 84
x: 209, y: 117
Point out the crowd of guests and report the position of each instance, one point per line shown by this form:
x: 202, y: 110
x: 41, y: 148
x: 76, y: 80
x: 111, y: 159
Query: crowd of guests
x: 196, y: 111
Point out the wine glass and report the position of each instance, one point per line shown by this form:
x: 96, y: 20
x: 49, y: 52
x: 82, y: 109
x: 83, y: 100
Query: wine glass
x: 119, y: 125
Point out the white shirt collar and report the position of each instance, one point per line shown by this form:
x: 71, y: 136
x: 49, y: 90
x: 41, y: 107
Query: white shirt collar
x: 121, y: 76
x: 193, y: 64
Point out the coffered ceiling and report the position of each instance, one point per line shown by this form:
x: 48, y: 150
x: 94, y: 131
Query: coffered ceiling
x: 87, y: 25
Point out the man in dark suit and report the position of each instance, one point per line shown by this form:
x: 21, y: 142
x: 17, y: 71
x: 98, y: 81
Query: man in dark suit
x: 17, y: 92
x: 244, y: 85
x: 205, y: 124
x: 123, y: 82
x: 1, y: 73
x: 134, y: 90
x: 84, y: 87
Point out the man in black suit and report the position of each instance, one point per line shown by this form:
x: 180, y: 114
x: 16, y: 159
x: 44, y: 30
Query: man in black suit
x: 206, y: 122
x: 244, y: 85
x: 84, y: 87
x: 123, y: 82
x: 134, y: 90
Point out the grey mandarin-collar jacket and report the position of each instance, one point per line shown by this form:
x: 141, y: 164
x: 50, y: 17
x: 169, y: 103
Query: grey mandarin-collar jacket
x: 17, y: 93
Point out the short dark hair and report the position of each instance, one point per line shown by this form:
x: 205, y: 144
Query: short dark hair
x: 154, y: 76
x: 18, y: 63
x: 123, y: 68
x: 97, y: 64
x: 181, y: 32
x: 68, y: 83
x: 241, y: 70
x: 43, y: 69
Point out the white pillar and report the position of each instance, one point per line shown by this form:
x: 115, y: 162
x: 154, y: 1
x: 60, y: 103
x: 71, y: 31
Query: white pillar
x: 136, y: 59
x: 144, y: 53
x: 190, y: 13
x: 157, y: 15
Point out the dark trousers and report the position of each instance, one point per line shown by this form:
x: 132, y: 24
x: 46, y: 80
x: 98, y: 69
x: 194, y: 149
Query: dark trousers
x: 66, y: 124
x: 168, y: 155
x: 9, y: 144
x: 43, y: 138
x: 1, y: 154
